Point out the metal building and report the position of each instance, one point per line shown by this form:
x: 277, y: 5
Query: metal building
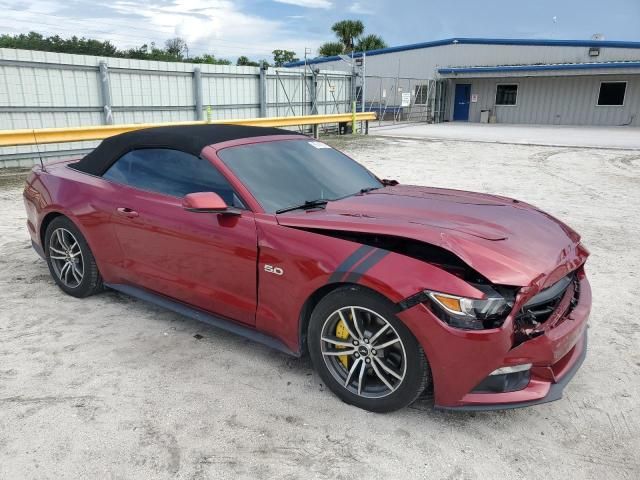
x: 571, y: 82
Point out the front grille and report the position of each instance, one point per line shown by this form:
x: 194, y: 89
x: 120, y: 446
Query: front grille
x: 542, y: 307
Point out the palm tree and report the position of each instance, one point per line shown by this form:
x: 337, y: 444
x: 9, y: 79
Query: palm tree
x: 370, y: 42
x: 347, y: 31
x: 330, y: 49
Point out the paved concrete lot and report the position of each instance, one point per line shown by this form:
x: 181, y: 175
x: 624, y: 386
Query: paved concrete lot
x: 551, y: 135
x: 111, y: 387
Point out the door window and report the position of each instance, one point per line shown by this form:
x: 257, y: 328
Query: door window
x: 170, y: 172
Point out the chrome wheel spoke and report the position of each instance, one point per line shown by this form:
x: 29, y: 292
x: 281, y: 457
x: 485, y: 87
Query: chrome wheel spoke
x: 386, y: 368
x: 75, y: 267
x: 363, y: 368
x: 64, y: 272
x: 388, y: 343
x: 373, y: 339
x: 57, y: 257
x: 354, y: 318
x: 61, y: 241
x: 74, y: 247
x: 339, y: 353
x: 354, y: 367
x: 337, y: 341
x: 346, y: 324
x: 381, y: 376
x: 55, y: 250
x: 75, y: 272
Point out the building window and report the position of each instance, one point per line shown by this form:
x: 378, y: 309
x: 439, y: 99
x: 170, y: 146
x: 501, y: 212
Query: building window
x: 507, y: 94
x: 612, y: 93
x: 422, y: 94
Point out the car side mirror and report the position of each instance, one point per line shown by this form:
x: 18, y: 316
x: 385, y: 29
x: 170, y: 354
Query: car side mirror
x: 207, y: 202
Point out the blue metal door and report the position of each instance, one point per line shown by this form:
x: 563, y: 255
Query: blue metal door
x: 461, y: 102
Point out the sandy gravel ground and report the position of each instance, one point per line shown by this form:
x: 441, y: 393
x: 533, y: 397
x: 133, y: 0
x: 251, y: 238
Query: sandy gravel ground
x: 111, y: 387
x: 547, y: 135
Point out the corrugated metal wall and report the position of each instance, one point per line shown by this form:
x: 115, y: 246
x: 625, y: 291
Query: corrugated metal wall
x: 556, y: 100
x: 45, y: 89
x: 425, y: 62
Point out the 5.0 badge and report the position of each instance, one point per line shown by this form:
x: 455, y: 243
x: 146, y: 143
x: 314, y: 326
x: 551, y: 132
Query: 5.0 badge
x: 274, y: 270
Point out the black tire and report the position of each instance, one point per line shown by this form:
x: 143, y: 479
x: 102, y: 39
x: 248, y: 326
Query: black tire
x: 90, y: 281
x: 416, y: 368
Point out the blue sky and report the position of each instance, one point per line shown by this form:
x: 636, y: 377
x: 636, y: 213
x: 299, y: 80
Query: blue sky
x: 255, y: 27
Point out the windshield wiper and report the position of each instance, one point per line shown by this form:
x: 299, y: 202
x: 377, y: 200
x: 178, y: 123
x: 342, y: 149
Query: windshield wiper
x: 307, y: 204
x: 368, y: 189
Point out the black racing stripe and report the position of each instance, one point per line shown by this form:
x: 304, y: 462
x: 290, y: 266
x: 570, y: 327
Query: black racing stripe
x: 349, y: 262
x: 365, y: 265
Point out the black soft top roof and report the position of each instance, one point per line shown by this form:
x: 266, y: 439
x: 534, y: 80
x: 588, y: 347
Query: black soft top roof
x: 186, y: 138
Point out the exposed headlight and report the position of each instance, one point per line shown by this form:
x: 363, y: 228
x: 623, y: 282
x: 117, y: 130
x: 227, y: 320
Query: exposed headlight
x: 470, y: 313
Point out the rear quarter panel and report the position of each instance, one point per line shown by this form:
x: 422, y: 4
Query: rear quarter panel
x: 82, y: 198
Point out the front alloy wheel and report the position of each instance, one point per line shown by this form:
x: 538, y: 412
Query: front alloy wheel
x: 364, y: 353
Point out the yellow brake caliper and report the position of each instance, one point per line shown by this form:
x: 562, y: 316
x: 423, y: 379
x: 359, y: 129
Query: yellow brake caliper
x: 342, y: 333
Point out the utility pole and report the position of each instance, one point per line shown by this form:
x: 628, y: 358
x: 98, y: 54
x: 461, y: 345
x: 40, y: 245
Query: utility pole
x: 364, y: 80
x: 307, y: 51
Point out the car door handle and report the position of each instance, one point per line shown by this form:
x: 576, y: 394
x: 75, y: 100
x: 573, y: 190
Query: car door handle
x: 126, y: 212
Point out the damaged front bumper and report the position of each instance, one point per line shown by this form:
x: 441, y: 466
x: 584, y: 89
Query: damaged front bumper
x: 462, y: 360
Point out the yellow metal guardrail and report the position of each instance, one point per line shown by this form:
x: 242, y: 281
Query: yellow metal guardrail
x: 99, y: 132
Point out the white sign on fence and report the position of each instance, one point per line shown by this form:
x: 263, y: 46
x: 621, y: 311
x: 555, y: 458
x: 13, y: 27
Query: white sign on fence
x: 406, y: 99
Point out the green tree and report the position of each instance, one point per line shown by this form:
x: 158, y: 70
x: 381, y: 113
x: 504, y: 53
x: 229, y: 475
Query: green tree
x: 176, y: 47
x: 210, y: 59
x: 330, y: 49
x: 36, y: 41
x: 245, y: 62
x: 370, y: 42
x: 280, y: 57
x: 347, y: 32
x: 350, y: 32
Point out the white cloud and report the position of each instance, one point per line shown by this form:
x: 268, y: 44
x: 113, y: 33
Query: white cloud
x: 209, y: 26
x: 357, y: 7
x: 308, y: 3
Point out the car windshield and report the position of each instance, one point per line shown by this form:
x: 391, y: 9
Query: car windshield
x: 289, y: 173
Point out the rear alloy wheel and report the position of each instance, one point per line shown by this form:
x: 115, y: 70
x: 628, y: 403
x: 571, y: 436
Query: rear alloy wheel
x: 364, y: 354
x: 70, y: 260
x: 66, y: 257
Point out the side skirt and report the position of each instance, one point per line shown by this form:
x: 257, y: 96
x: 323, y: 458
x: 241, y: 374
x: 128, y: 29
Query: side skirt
x: 202, y: 316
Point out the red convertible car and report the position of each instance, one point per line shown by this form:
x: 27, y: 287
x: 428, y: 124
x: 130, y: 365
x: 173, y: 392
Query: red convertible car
x: 391, y: 289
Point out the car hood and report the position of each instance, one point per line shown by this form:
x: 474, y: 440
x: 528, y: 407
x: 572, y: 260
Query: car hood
x: 507, y: 241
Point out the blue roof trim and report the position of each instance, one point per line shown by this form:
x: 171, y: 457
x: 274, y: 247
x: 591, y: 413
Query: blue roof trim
x: 537, y: 68
x: 480, y: 41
